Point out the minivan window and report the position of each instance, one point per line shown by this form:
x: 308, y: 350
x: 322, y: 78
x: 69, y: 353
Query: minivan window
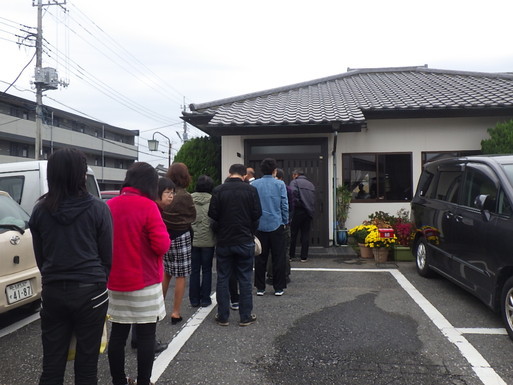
x: 508, y: 169
x: 478, y: 183
x: 503, y: 205
x: 425, y: 185
x: 448, y: 186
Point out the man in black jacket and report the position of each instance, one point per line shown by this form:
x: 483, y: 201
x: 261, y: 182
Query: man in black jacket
x: 235, y: 208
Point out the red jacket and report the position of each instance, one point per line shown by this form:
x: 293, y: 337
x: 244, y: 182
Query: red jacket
x: 140, y: 241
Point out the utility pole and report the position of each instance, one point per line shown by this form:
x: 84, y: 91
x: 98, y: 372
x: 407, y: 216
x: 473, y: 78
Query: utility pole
x: 39, y: 88
x: 185, y: 137
x: 45, y: 78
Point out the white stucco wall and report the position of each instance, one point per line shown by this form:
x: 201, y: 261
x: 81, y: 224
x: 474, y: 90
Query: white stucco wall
x: 415, y: 136
x: 398, y: 135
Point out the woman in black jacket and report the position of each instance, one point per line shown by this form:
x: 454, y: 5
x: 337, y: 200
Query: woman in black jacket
x: 72, y: 239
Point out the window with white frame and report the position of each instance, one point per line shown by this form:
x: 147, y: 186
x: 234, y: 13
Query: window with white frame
x: 378, y: 176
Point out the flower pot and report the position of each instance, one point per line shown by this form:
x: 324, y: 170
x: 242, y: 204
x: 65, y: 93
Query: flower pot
x: 365, y: 252
x: 342, y: 237
x: 380, y: 254
x: 403, y: 253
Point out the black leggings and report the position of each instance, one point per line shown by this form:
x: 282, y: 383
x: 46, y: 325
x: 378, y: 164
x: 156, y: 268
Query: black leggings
x: 145, y: 352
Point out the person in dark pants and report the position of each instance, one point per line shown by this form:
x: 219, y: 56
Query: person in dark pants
x: 166, y: 193
x: 203, y: 243
x: 72, y: 239
x: 135, y: 282
x: 235, y: 208
x: 280, y: 175
x: 234, y: 292
x: 271, y: 230
x: 304, y: 209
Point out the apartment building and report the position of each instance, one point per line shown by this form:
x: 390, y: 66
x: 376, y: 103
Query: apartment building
x: 110, y: 150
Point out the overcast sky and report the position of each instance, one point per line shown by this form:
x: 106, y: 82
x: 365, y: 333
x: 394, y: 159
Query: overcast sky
x: 132, y: 63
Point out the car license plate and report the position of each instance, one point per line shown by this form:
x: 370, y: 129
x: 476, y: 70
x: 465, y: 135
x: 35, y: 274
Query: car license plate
x: 18, y: 291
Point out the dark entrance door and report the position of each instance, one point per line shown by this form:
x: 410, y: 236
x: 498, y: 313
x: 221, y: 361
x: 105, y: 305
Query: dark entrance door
x: 309, y: 154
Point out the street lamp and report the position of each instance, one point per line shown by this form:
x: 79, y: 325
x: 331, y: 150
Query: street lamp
x: 153, y: 145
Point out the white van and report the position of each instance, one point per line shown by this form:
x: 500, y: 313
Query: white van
x: 25, y: 182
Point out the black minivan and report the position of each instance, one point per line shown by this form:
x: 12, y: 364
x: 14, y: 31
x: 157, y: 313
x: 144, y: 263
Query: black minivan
x: 463, y: 215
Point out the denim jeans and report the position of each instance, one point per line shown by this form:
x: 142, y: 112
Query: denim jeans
x: 236, y: 260
x: 70, y: 307
x: 234, y: 289
x: 200, y: 284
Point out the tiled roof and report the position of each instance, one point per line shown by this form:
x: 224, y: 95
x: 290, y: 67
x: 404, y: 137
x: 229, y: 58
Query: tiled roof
x: 348, y: 97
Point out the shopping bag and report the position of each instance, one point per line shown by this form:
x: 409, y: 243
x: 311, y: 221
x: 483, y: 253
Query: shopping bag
x: 72, y: 350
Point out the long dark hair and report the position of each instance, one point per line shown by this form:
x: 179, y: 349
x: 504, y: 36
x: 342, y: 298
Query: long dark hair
x: 143, y: 177
x: 66, y: 176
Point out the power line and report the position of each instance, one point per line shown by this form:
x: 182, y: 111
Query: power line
x: 54, y: 54
x: 107, y: 90
x: 130, y: 55
x: 17, y: 77
x: 118, y: 59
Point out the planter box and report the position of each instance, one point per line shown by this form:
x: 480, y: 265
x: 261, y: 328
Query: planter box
x: 403, y: 254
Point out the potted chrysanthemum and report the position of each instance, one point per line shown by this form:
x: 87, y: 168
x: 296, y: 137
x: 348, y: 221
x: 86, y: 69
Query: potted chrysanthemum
x: 380, y: 241
x: 360, y: 233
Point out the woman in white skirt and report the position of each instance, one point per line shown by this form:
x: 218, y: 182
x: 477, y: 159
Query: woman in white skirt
x: 135, y: 289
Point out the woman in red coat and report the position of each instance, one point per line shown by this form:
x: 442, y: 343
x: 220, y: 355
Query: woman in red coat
x: 135, y: 289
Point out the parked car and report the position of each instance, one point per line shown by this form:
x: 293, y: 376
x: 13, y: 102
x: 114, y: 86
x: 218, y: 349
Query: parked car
x: 109, y: 194
x: 463, y: 213
x: 20, y: 280
x: 26, y: 182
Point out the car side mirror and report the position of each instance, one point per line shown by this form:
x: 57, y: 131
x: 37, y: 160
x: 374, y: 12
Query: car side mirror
x: 480, y: 202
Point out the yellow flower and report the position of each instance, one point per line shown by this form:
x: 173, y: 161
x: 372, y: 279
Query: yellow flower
x: 374, y: 239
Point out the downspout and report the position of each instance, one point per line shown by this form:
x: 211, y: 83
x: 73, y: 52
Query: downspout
x: 334, y: 187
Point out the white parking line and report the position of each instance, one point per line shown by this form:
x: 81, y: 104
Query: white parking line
x: 481, y: 367
x: 18, y: 325
x: 179, y: 340
x: 490, y: 331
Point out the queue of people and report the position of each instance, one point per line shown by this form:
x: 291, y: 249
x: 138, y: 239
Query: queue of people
x: 117, y: 260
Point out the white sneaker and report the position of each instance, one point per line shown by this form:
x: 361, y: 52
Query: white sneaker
x: 260, y: 292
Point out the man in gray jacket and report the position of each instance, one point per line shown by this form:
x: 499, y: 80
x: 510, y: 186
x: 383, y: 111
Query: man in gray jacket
x: 304, y: 208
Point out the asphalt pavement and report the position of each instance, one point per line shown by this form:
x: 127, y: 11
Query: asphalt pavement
x: 342, y: 320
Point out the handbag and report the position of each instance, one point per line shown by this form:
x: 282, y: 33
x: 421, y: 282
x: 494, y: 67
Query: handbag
x: 72, y: 350
x: 258, y: 246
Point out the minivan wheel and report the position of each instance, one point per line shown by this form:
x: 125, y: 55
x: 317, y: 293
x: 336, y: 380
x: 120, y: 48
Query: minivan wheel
x: 422, y: 259
x: 507, y: 306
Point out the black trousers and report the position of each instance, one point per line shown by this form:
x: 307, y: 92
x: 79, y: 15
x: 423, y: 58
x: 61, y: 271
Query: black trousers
x: 72, y: 307
x: 274, y: 242
x: 301, y: 222
x: 145, y: 351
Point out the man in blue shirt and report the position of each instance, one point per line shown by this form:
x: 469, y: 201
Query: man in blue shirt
x: 271, y: 229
